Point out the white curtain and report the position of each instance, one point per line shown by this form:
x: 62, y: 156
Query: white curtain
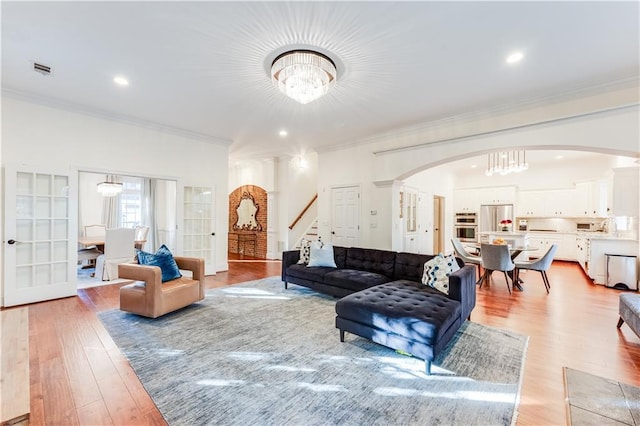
x: 148, y: 213
x: 111, y: 206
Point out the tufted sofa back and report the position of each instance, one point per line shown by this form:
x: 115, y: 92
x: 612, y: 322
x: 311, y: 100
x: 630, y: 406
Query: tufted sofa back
x: 410, y: 266
x: 371, y: 260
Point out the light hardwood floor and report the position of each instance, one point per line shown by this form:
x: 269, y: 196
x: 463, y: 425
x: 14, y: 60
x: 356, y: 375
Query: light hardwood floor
x: 79, y: 376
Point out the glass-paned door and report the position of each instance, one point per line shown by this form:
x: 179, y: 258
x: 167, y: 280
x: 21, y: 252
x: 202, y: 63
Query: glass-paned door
x: 40, y: 244
x: 198, y: 230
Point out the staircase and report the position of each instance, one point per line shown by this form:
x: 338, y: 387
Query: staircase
x: 311, y: 234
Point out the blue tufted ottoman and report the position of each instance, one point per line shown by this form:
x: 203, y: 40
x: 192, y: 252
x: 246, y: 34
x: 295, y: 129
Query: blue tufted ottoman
x: 402, y: 315
x: 630, y: 311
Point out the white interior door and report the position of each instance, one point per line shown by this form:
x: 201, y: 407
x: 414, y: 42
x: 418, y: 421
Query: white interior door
x: 345, y: 216
x: 199, y: 226
x: 40, y: 208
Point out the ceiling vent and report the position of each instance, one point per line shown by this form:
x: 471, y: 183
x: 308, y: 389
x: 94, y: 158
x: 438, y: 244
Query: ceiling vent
x: 42, y: 69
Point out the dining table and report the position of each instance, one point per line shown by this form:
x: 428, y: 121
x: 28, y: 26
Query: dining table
x: 98, y: 241
x: 514, y: 252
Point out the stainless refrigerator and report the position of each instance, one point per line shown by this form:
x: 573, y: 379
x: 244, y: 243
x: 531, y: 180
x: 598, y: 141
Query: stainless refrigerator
x: 491, y: 215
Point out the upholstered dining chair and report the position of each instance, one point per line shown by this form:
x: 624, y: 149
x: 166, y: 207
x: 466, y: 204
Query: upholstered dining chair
x: 463, y: 254
x: 541, y: 265
x: 496, y: 257
x: 95, y: 230
x: 118, y: 248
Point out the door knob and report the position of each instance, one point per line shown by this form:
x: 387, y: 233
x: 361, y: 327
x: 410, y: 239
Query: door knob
x: 333, y: 233
x: 12, y: 241
x: 213, y: 234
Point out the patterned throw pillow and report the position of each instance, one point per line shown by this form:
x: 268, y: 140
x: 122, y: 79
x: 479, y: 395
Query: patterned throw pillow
x: 305, y: 252
x: 437, y: 271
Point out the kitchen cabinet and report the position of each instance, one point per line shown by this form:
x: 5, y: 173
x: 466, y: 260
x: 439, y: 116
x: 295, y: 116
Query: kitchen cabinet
x: 530, y: 203
x: 560, y: 202
x: 466, y: 200
x: 625, y: 191
x: 566, y: 243
x: 497, y: 195
x: 546, y: 203
x: 599, y: 247
x: 592, y: 199
x: 582, y: 251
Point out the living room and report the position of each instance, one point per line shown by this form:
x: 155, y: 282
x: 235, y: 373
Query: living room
x: 374, y: 132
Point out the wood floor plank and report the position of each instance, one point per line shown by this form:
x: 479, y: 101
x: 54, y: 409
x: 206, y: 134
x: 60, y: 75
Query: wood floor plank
x: 95, y: 413
x: 573, y: 326
x: 14, y: 365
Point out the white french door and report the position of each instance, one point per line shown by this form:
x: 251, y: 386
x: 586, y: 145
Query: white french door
x: 40, y: 208
x: 345, y: 216
x: 199, y: 226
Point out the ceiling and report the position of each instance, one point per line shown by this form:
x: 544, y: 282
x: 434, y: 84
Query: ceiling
x: 202, y: 67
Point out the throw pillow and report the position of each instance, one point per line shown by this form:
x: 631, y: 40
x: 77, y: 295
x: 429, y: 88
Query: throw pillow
x: 437, y: 271
x: 305, y: 252
x: 164, y: 260
x: 322, y: 255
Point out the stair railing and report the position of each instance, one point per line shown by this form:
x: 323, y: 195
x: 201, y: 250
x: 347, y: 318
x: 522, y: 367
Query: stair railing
x: 304, y: 210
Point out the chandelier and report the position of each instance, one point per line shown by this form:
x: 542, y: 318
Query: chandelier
x: 303, y: 75
x: 506, y: 162
x: 109, y: 189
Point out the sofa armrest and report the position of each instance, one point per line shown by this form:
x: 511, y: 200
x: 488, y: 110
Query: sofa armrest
x: 289, y: 257
x: 462, y: 287
x: 151, y: 275
x: 196, y: 266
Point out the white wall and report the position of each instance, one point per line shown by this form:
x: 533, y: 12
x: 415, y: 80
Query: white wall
x: 48, y: 137
x: 384, y: 161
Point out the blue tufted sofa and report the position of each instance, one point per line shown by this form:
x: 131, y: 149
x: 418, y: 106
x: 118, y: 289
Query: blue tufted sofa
x: 384, y: 300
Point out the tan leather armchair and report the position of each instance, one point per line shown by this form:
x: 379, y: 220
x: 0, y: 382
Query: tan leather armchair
x: 150, y: 297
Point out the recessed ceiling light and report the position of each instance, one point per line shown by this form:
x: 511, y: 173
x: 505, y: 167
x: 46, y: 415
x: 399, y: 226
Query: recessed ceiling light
x: 121, y: 81
x: 515, y: 57
x: 559, y: 157
x: 473, y: 166
x: 283, y: 133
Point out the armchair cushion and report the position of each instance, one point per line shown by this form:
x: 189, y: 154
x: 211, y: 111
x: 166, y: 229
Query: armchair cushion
x: 164, y: 260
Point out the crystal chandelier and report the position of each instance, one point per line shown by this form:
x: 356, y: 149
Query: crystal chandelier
x: 303, y: 75
x: 109, y: 189
x: 503, y: 163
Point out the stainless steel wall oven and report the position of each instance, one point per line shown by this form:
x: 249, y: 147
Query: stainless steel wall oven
x: 466, y: 227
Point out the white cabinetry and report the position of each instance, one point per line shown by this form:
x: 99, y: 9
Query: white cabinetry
x: 543, y: 241
x: 625, y: 191
x: 548, y: 203
x: 530, y: 203
x: 497, y: 195
x: 597, y: 268
x: 466, y: 200
x: 582, y: 251
x: 592, y: 198
x: 560, y: 202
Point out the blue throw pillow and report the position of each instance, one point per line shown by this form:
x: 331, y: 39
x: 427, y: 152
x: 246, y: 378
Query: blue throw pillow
x: 164, y: 260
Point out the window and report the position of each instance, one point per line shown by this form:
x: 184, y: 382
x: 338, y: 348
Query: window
x: 131, y: 202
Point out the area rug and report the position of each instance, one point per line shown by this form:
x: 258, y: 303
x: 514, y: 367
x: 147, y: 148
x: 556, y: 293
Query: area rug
x: 255, y: 353
x: 594, y: 400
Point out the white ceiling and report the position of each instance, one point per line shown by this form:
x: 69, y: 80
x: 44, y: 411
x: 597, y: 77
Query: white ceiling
x: 202, y: 67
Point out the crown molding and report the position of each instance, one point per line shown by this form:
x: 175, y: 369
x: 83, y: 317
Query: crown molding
x: 489, y: 112
x: 105, y: 115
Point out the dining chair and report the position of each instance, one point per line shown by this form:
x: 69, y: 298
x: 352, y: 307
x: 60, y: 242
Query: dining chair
x: 463, y: 254
x: 541, y: 265
x: 90, y: 253
x: 141, y: 235
x: 496, y: 257
x: 118, y: 248
x: 95, y: 230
